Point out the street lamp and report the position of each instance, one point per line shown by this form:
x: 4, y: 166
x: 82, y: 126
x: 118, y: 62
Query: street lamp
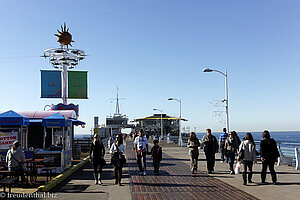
x: 226, y: 93
x: 180, y: 136
x: 161, y: 122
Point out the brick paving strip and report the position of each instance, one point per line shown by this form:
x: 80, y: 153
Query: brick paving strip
x: 176, y: 182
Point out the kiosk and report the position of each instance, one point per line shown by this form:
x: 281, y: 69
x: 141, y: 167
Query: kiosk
x: 13, y: 126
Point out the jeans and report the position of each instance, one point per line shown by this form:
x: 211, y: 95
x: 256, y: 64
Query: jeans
x: 118, y: 173
x: 210, y: 159
x: 194, y: 163
x: 19, y: 171
x: 156, y: 166
x: 231, y: 158
x: 97, y: 166
x: 142, y: 165
x: 247, y: 164
x: 223, y: 152
x: 264, y: 171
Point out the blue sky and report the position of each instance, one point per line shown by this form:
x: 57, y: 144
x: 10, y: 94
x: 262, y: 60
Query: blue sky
x: 153, y: 50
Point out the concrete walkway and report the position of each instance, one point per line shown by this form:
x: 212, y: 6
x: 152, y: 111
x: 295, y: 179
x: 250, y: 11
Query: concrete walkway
x: 80, y: 185
x: 288, y: 177
x: 176, y: 181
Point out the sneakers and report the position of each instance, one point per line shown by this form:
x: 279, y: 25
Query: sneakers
x: 232, y: 172
x: 96, y: 183
x: 140, y: 173
x: 221, y: 161
x: 144, y: 173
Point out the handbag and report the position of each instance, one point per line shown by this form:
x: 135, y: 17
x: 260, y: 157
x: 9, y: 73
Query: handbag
x: 237, y: 169
x: 103, y: 162
x: 123, y: 159
x: 241, y: 154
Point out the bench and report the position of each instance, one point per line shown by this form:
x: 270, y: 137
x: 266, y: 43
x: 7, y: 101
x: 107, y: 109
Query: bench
x: 297, y: 156
x: 48, y: 171
x: 283, y: 160
x: 7, y: 182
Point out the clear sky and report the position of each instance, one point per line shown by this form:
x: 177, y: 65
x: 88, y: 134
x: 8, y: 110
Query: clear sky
x: 153, y: 50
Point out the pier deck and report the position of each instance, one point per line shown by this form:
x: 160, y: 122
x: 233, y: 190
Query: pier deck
x: 176, y: 181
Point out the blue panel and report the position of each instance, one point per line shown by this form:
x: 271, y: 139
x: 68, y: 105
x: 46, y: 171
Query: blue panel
x: 51, y: 84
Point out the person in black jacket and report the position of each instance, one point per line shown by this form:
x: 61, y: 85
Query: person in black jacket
x: 97, y: 153
x: 269, y: 154
x: 210, y: 145
x: 156, y: 153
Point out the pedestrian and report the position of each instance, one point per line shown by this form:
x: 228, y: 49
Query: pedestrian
x: 238, y: 140
x: 117, y: 151
x: 141, y: 148
x: 247, y: 155
x: 14, y: 159
x: 156, y: 153
x: 269, y: 154
x: 222, y: 139
x: 97, y: 152
x: 231, y: 147
x: 193, y: 145
x: 210, y: 145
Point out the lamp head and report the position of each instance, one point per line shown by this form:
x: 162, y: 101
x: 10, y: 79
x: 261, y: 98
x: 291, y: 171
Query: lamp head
x: 207, y: 70
x: 170, y: 99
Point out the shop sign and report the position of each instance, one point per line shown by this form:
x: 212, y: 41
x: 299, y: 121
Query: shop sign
x: 7, y: 139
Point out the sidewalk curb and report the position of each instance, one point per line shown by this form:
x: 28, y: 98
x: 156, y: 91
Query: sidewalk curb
x: 58, y: 179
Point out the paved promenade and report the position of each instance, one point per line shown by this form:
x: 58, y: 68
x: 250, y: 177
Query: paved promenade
x: 176, y: 181
x: 288, y: 177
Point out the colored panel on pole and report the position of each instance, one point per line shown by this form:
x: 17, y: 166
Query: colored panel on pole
x: 51, y: 84
x: 77, y: 85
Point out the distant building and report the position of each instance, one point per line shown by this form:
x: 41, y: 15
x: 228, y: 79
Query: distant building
x: 152, y: 124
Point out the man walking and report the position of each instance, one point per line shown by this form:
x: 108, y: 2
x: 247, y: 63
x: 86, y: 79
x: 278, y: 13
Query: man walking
x: 210, y: 145
x: 141, y: 148
x: 222, y: 140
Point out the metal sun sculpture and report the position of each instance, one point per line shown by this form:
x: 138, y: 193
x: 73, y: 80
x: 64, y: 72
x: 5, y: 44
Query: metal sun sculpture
x: 64, y: 56
x: 64, y: 37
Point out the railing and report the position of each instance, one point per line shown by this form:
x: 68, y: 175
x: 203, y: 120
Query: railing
x: 289, y: 154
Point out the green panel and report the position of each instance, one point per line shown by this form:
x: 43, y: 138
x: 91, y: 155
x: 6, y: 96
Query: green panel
x: 77, y: 85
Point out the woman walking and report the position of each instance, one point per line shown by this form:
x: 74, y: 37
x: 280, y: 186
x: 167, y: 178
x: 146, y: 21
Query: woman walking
x: 231, y: 146
x: 97, y: 153
x: 269, y: 154
x: 117, y: 151
x: 247, y: 154
x: 193, y: 144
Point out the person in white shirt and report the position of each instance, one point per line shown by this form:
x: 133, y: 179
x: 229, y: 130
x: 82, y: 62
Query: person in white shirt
x: 141, y: 148
x: 117, y: 151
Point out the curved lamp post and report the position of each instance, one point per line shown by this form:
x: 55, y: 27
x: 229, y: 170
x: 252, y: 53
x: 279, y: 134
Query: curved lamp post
x: 226, y: 93
x: 180, y: 136
x: 161, y: 121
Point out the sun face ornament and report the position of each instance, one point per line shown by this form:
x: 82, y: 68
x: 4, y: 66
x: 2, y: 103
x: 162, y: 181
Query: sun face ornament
x: 64, y: 37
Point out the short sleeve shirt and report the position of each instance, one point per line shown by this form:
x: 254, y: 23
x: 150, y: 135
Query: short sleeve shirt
x: 141, y: 143
x: 223, y: 137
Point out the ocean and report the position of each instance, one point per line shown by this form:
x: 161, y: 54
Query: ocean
x: 287, y: 140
